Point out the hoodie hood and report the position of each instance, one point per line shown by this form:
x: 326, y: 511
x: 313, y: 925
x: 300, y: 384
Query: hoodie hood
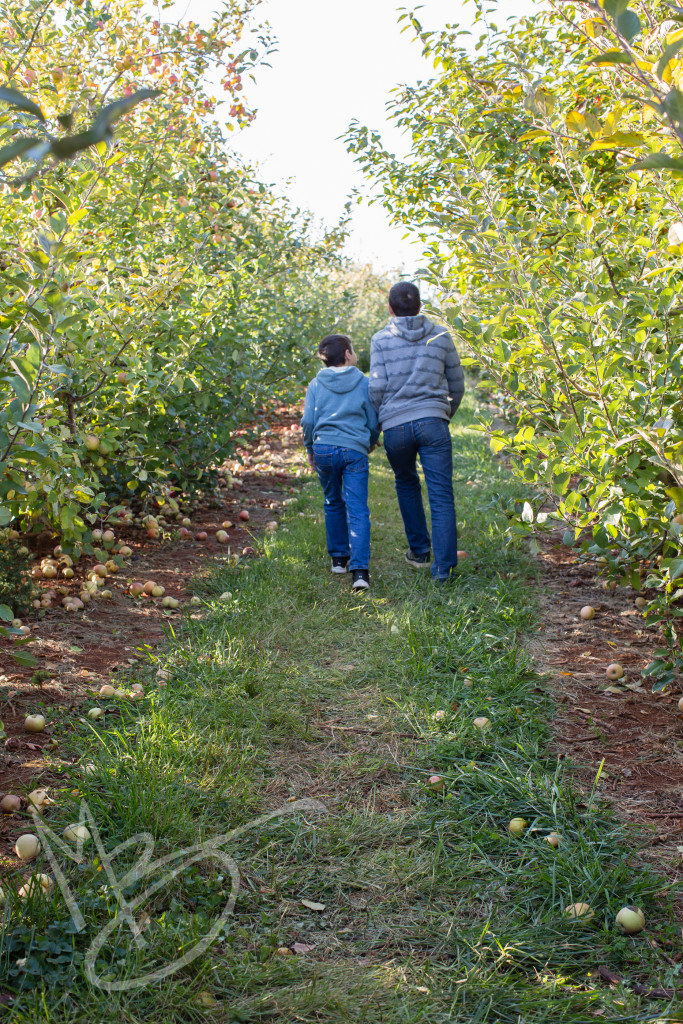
x: 412, y: 328
x: 340, y: 381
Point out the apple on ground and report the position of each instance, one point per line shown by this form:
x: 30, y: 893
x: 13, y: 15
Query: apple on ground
x: 244, y: 515
x: 614, y: 671
x: 34, y: 723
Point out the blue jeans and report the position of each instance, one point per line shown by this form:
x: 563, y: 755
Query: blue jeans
x: 429, y: 438
x: 343, y: 475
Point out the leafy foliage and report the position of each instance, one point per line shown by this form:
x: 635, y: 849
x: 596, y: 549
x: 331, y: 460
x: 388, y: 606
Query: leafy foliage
x: 153, y: 293
x: 545, y: 183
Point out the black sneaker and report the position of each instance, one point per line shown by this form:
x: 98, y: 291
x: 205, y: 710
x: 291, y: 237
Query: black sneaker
x: 340, y: 565
x: 361, y: 579
x: 418, y: 561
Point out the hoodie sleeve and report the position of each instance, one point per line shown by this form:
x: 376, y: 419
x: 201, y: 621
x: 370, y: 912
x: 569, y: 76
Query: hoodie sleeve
x: 308, y: 418
x: 378, y: 375
x: 455, y: 376
x: 373, y: 422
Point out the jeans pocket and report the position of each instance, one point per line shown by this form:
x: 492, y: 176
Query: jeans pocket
x: 433, y: 431
x: 357, y: 463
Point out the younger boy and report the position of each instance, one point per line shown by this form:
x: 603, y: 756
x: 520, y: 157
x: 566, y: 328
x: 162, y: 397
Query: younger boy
x: 340, y: 428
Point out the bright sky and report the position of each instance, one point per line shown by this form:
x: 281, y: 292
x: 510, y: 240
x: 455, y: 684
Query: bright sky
x: 336, y: 62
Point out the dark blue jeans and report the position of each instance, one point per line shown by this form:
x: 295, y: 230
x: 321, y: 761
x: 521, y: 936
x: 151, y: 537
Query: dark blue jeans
x: 429, y: 438
x: 343, y: 475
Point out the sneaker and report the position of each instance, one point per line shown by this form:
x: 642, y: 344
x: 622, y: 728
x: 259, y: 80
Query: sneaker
x: 418, y: 561
x: 361, y: 579
x: 340, y: 565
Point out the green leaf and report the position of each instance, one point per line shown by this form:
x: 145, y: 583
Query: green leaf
x: 658, y: 162
x: 6, y: 613
x: 667, y: 55
x: 676, y: 569
x: 5, y: 516
x: 673, y: 104
x: 113, y: 111
x: 16, y: 99
x: 618, y: 141
x: 64, y: 148
x: 628, y: 25
x: 15, y: 149
x: 611, y: 57
x: 25, y: 659
x: 676, y: 494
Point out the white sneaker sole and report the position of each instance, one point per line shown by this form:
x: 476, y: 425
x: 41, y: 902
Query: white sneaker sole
x: 360, y: 585
x: 339, y: 570
x: 418, y: 565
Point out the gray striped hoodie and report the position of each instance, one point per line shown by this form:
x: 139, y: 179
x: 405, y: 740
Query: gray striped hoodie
x: 415, y: 372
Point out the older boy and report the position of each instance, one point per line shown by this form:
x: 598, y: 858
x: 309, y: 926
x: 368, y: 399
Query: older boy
x: 416, y: 385
x: 340, y: 427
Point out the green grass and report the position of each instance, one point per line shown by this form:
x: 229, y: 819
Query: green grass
x: 297, y: 688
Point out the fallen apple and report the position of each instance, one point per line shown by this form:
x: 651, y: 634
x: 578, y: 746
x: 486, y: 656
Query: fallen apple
x: 580, y: 911
x: 680, y: 704
x: 149, y: 587
x: 125, y: 551
x: 49, y: 572
x: 630, y: 920
x: 158, y: 591
x: 108, y: 537
x: 185, y: 533
x: 37, y: 885
x: 482, y: 723
x: 186, y: 521
x: 587, y: 612
x: 247, y: 552
x: 202, y: 535
x: 227, y: 525
x: 170, y: 602
x: 10, y: 803
x: 244, y: 515
x: 107, y: 595
x: 553, y: 839
x: 38, y: 798
x: 27, y: 846
x: 100, y: 570
x: 107, y: 690
x: 517, y: 827
x: 272, y: 525
x: 196, y: 601
x: 222, y: 537
x: 67, y: 573
x: 111, y: 566
x: 226, y: 596
x: 95, y: 713
x: 435, y: 783
x: 614, y: 671
x: 97, y: 535
x: 137, y: 688
x: 640, y: 603
x: 76, y: 833
x: 34, y: 723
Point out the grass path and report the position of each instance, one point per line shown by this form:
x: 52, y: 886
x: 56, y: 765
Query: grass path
x: 424, y: 910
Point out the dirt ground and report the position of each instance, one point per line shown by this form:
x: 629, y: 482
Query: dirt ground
x: 639, y: 734
x: 78, y: 652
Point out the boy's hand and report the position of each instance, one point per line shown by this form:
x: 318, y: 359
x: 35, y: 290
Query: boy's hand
x: 311, y: 460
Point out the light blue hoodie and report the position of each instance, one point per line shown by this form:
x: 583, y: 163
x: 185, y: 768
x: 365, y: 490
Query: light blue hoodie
x: 338, y: 411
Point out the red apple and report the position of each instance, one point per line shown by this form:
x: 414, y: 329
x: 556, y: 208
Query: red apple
x: 244, y: 515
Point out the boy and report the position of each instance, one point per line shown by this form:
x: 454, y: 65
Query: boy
x: 340, y: 428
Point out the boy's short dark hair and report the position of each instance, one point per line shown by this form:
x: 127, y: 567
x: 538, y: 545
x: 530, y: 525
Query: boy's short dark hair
x: 404, y: 299
x: 332, y: 349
